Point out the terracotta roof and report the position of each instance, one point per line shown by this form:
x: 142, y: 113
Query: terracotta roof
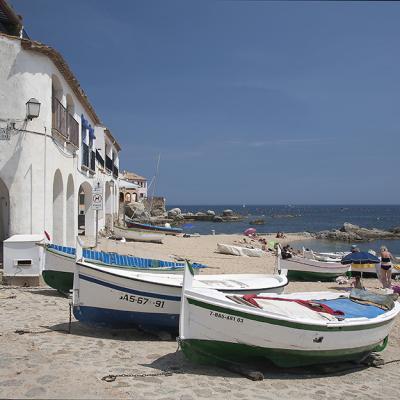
x: 8, y: 13
x: 132, y: 176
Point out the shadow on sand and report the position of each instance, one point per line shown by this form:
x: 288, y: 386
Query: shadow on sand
x: 100, y: 332
x: 177, y: 363
x: 50, y: 293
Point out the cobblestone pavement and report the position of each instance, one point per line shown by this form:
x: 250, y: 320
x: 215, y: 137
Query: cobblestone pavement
x: 40, y: 359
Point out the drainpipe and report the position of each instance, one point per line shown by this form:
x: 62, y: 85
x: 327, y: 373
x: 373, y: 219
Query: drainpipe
x: 44, y: 179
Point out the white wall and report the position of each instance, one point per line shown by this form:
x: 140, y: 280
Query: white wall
x: 28, y: 161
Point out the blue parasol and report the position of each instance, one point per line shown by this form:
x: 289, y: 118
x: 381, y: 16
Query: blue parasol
x: 360, y: 257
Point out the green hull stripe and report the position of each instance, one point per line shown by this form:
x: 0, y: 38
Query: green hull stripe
x: 311, y: 276
x: 289, y: 324
x: 216, y: 352
x: 62, y: 281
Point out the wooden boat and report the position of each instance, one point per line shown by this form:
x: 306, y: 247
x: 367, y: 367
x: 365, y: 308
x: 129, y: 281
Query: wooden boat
x: 286, y: 329
x: 304, y: 269
x: 168, y: 230
x: 238, y: 250
x: 121, y: 298
x: 59, y: 265
x: 327, y: 257
x: 337, y: 256
x: 137, y: 236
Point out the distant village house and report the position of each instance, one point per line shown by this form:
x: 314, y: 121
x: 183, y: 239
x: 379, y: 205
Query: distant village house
x: 133, y: 187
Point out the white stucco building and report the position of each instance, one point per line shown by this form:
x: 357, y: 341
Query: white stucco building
x: 133, y: 187
x: 49, y: 163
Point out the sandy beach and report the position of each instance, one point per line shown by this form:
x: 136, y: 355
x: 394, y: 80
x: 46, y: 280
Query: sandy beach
x: 40, y: 358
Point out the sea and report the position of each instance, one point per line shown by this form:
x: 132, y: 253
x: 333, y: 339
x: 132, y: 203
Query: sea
x: 302, y: 218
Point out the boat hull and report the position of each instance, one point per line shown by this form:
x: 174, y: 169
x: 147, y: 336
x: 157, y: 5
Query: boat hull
x: 216, y: 352
x: 214, y: 333
x: 107, y: 299
x: 309, y: 276
x: 122, y: 319
x: 238, y: 250
x: 304, y: 269
x: 59, y: 280
x: 58, y: 272
x: 137, y: 236
x: 153, y: 228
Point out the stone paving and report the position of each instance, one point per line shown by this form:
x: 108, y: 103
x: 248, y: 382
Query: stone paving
x: 40, y: 359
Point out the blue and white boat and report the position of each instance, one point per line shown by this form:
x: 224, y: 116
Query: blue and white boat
x: 152, y: 228
x: 122, y: 298
x: 59, y: 265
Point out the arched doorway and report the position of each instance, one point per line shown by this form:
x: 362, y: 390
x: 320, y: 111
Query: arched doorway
x: 4, y: 212
x: 58, y: 209
x: 70, y: 213
x: 86, y: 222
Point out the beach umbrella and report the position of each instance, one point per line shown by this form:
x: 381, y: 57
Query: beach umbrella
x: 360, y: 257
x: 249, y: 231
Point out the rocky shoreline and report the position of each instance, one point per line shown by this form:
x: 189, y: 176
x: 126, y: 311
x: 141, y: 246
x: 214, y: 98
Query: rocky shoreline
x: 353, y: 233
x: 159, y: 215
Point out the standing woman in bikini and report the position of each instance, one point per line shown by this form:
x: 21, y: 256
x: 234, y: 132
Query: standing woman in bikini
x: 386, y: 267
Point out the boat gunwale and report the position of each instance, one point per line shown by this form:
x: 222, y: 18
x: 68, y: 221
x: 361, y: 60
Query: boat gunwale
x: 95, y: 268
x: 122, y: 268
x: 327, y: 266
x: 228, y: 306
x: 141, y: 233
x: 148, y: 227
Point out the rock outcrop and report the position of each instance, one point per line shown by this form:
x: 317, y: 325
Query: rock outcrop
x: 352, y: 233
x: 136, y: 211
x: 257, y: 222
x: 173, y: 213
x: 156, y: 206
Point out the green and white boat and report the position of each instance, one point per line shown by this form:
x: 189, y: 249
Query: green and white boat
x: 289, y: 330
x: 59, y: 264
x: 305, y: 269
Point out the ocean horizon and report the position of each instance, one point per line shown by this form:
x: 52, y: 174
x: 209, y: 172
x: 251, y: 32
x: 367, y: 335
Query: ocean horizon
x: 301, y: 218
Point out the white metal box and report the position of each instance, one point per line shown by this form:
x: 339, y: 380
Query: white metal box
x: 22, y: 257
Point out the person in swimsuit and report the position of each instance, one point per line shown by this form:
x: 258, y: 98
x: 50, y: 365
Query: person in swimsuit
x: 386, y: 267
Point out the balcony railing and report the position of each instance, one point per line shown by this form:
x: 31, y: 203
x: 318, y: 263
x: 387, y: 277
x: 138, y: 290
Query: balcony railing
x: 99, y: 158
x: 93, y: 161
x: 88, y: 158
x: 85, y: 155
x: 109, y: 164
x: 73, y: 130
x: 115, y: 172
x: 64, y: 123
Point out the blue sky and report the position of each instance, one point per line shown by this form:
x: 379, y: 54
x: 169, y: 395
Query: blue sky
x: 246, y: 101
